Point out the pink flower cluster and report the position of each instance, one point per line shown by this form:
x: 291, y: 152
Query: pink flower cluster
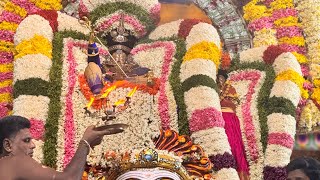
x: 135, y: 23
x: 259, y: 24
x: 289, y: 31
x: 250, y: 132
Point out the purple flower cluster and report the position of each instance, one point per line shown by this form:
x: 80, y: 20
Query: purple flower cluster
x: 225, y: 160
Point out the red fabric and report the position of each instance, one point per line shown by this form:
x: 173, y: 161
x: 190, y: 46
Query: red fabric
x: 232, y: 128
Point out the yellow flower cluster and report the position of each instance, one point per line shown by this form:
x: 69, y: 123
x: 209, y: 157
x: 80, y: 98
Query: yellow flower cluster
x: 295, y: 77
x: 6, y: 83
x: 302, y: 59
x: 6, y: 67
x: 4, y: 97
x: 265, y: 37
x: 281, y: 4
x: 6, y: 44
x: 287, y: 21
x: 204, y: 50
x: 37, y: 44
x: 316, y: 82
x: 4, y: 25
x: 48, y: 5
x: 297, y: 40
x: 9, y: 6
x: 252, y: 11
x: 310, y: 116
x: 316, y: 94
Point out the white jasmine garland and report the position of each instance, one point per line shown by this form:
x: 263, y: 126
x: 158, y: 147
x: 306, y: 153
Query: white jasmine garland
x: 32, y: 66
x: 277, y: 156
x: 31, y: 26
x: 213, y: 140
x: 30, y: 106
x: 166, y: 30
x: 37, y: 151
x: 227, y: 173
x: 202, y: 32
x: 286, y: 61
x: 196, y: 67
x: 281, y: 123
x: 152, y: 59
x: 201, y: 97
x: 253, y: 55
x: 66, y: 22
x: 286, y: 89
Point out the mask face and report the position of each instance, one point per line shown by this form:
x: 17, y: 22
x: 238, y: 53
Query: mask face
x: 149, y: 174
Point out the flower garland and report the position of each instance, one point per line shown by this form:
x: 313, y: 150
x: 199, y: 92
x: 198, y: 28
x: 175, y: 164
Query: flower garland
x: 309, y: 12
x: 32, y: 66
x: 281, y: 105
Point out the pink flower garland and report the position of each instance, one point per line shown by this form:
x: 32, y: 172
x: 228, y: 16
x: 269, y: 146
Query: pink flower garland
x: 155, y: 13
x: 259, y: 24
x: 138, y: 27
x: 5, y: 76
x: 205, y: 119
x: 7, y: 89
x: 37, y: 128
x: 27, y: 5
x: 282, y: 139
x: 6, y: 35
x: 282, y: 13
x: 289, y: 31
x: 69, y: 127
x: 249, y: 129
x: 10, y: 17
x: 163, y: 105
x: 6, y: 57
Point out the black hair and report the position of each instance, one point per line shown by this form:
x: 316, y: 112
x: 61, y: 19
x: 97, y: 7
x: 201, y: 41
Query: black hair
x: 310, y: 166
x: 223, y: 73
x: 10, y: 126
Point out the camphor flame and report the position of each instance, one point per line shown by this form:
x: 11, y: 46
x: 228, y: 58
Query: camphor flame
x: 130, y: 94
x: 106, y: 93
x: 119, y: 102
x: 90, y: 102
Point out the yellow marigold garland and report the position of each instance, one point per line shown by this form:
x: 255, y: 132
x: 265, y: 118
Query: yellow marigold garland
x: 295, y: 77
x: 281, y: 4
x: 15, y: 9
x: 6, y: 44
x: 316, y: 94
x: 6, y: 83
x: 287, y: 21
x: 316, y: 82
x: 204, y: 50
x: 48, y: 5
x: 5, y: 97
x: 7, y: 67
x: 299, y: 41
x: 37, y: 44
x: 252, y: 11
x: 302, y: 59
x: 4, y: 25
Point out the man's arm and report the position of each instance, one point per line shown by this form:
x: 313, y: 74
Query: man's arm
x: 28, y: 168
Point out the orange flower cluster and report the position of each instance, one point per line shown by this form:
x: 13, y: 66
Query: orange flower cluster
x: 99, y: 103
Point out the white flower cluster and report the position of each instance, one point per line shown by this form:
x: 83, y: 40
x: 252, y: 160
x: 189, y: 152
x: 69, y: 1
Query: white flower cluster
x: 33, y: 25
x: 147, y: 5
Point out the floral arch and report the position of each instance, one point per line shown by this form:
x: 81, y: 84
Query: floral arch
x: 48, y: 56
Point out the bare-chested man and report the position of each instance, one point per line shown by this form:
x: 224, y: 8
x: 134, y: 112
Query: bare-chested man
x: 16, y: 151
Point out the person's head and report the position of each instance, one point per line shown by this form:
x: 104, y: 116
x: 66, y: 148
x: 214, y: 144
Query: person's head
x: 303, y: 168
x: 222, y: 76
x: 15, y: 136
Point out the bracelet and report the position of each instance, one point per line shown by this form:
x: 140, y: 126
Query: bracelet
x: 88, y: 145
